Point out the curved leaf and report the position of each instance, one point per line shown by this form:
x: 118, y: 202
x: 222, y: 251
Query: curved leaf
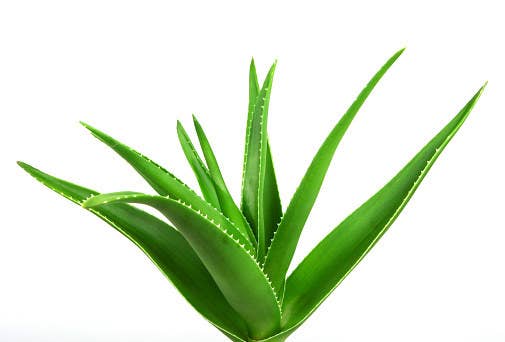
x: 341, y: 250
x: 199, y: 169
x: 234, y: 269
x: 228, y: 206
x: 286, y: 237
x: 166, y: 248
x: 164, y: 182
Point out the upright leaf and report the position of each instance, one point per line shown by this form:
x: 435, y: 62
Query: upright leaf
x: 287, y: 235
x: 341, y: 250
x: 233, y: 268
x: 165, y: 247
x: 255, y: 162
x: 228, y: 206
x: 164, y: 182
x: 272, y: 208
x: 201, y: 172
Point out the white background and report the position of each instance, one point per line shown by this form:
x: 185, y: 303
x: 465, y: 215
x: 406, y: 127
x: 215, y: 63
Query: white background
x: 133, y: 68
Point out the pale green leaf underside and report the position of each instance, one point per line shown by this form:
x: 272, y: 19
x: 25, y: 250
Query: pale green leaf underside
x: 167, y: 249
x: 230, y: 263
x: 286, y: 238
x: 337, y: 254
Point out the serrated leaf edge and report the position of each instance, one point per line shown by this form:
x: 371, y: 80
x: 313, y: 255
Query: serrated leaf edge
x: 249, y: 252
x: 170, y: 175
x: 107, y: 220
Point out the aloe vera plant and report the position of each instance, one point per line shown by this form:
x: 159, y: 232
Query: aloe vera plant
x: 230, y: 261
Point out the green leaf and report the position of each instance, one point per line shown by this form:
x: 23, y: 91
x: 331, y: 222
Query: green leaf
x: 201, y: 172
x: 230, y: 262
x: 279, y: 337
x: 287, y: 235
x: 164, y: 182
x: 272, y: 208
x: 255, y: 161
x: 165, y: 247
x: 228, y: 206
x: 234, y: 269
x: 341, y: 250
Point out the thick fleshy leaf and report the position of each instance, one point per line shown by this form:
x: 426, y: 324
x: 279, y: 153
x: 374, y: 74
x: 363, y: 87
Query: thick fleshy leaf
x: 279, y: 337
x: 233, y: 267
x: 272, y: 208
x: 199, y: 169
x: 255, y: 164
x: 164, y: 182
x: 228, y: 206
x: 341, y: 250
x: 286, y: 238
x: 167, y: 249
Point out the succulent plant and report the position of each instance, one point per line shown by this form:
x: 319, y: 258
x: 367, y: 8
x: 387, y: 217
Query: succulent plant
x: 231, y: 261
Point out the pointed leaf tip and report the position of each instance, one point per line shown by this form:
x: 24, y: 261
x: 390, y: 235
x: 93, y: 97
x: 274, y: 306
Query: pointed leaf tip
x: 483, y: 87
x: 274, y: 65
x: 286, y: 238
x: 397, y: 54
x: 85, y: 125
x: 255, y: 157
x: 28, y: 168
x: 165, y: 247
x: 228, y: 206
x: 199, y: 169
x: 162, y: 181
x: 95, y: 132
x: 340, y: 251
x: 195, y: 120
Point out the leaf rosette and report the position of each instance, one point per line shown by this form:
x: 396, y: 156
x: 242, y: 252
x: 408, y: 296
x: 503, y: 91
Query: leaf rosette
x: 230, y: 261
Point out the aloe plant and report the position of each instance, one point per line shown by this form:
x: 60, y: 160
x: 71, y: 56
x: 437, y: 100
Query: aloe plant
x: 230, y: 261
